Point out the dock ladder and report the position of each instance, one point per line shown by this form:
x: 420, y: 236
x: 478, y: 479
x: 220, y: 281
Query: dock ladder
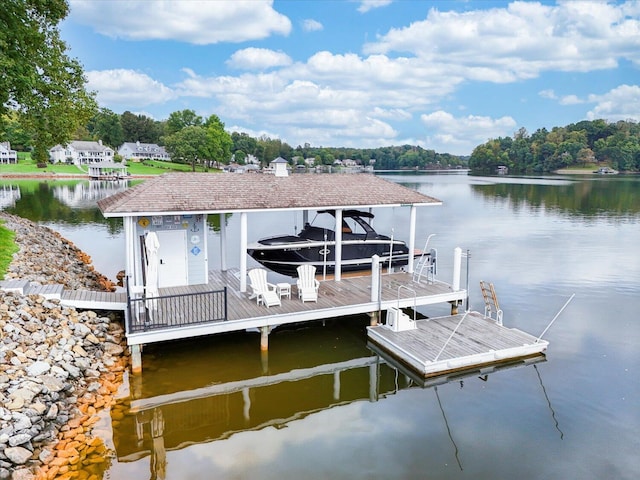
x: 490, y: 301
x: 426, y: 265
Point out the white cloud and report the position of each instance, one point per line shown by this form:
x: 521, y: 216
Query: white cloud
x: 571, y: 100
x: 367, y: 99
x: 127, y: 87
x: 258, y: 59
x: 310, y: 25
x: 520, y: 41
x: 459, y: 135
x: 621, y: 103
x: 550, y: 94
x: 366, y: 5
x: 200, y: 22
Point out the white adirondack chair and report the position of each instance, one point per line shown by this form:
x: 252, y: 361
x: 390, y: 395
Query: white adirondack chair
x: 307, y: 284
x: 263, y: 291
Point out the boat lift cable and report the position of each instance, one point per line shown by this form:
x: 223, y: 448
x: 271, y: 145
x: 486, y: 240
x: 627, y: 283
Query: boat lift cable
x: 450, y: 336
x: 446, y: 423
x: 553, y: 413
x: 554, y: 318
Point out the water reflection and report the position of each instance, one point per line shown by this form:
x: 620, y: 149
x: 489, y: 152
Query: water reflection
x: 585, y: 198
x: 86, y: 194
x: 9, y: 195
x: 174, y: 405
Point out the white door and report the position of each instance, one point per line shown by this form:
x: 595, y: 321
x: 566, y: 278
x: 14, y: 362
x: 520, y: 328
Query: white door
x: 172, y: 253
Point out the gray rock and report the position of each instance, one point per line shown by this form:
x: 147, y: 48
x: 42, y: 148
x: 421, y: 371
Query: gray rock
x: 17, y: 455
x: 71, y: 369
x: 19, y: 439
x: 38, y: 368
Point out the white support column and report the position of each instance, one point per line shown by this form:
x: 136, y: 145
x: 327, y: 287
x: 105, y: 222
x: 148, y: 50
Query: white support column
x: 246, y: 403
x: 457, y: 263
x: 223, y: 243
x: 133, y: 268
x: 412, y: 237
x: 243, y: 252
x: 336, y: 385
x: 373, y: 382
x: 136, y: 358
x: 337, y: 273
x: 375, y: 278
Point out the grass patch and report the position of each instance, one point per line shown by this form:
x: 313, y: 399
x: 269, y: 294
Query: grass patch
x: 26, y: 166
x: 8, y: 247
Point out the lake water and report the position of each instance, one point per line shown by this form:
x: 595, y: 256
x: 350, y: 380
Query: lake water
x: 321, y: 405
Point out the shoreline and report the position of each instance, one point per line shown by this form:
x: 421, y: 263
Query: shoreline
x: 60, y: 368
x: 74, y: 176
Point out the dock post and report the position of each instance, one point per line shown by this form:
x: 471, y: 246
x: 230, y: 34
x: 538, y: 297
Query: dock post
x: 264, y: 339
x: 375, y: 289
x: 136, y: 358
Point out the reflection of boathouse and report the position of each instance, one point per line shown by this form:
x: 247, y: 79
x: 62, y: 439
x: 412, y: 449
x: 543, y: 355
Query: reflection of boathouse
x: 85, y: 194
x: 152, y: 420
x: 9, y: 194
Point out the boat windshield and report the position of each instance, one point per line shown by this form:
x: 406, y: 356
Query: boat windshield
x: 353, y: 222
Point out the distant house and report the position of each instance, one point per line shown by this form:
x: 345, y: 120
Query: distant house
x: 6, y: 154
x: 136, y: 152
x: 81, y: 153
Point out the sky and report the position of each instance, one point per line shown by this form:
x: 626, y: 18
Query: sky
x: 444, y: 75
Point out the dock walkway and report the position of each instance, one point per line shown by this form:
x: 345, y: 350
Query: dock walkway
x: 443, y: 345
x: 84, y: 299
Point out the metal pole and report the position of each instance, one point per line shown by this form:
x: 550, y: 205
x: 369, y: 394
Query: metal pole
x: 554, y: 318
x: 468, y: 256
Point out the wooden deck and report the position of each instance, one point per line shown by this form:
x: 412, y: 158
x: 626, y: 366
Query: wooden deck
x: 350, y: 291
x: 350, y: 296
x: 454, y: 343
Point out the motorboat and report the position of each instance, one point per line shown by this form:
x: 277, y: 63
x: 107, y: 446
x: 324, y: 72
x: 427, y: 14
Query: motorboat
x: 315, y: 245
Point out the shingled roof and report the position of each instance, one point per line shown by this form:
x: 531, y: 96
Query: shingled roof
x: 217, y: 193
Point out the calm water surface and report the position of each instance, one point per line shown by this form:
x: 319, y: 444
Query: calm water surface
x: 322, y: 405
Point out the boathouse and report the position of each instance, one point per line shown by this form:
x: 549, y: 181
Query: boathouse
x: 197, y: 300
x: 107, y: 170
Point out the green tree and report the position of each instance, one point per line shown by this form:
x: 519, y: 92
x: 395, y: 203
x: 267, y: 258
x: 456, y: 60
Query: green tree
x: 219, y: 142
x: 244, y: 142
x: 140, y: 128
x: 188, y: 145
x: 179, y: 120
x: 105, y: 125
x: 14, y: 132
x: 37, y: 78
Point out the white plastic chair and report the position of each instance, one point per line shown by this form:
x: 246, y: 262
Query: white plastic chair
x: 264, y: 291
x: 307, y: 284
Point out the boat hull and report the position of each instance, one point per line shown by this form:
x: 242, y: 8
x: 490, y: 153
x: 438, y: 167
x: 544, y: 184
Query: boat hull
x: 356, y: 256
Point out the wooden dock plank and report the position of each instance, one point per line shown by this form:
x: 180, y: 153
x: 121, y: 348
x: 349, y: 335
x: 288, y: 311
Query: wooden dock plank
x: 446, y: 344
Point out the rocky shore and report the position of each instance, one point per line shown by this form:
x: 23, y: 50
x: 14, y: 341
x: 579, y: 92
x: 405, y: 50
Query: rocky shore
x: 59, y: 368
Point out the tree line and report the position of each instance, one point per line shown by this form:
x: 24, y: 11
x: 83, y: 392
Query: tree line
x: 189, y: 138
x: 585, y: 143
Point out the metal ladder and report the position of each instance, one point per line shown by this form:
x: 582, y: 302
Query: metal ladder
x: 490, y: 301
x: 426, y: 265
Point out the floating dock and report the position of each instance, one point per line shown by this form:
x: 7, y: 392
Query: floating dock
x: 444, y: 345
